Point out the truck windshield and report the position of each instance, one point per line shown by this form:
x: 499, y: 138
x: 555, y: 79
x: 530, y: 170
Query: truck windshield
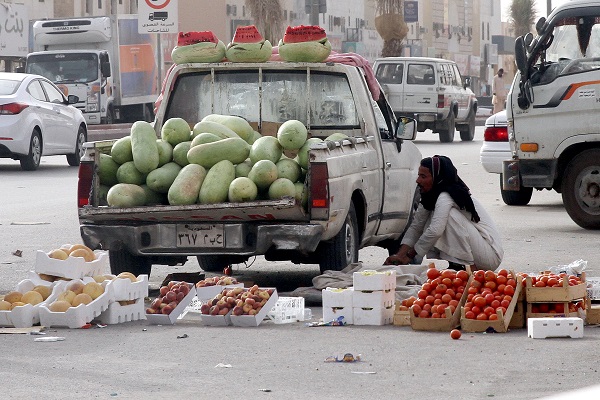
x: 316, y: 98
x: 64, y: 67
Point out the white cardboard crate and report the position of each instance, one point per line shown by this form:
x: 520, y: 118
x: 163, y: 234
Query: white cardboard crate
x: 206, y: 293
x: 72, y: 267
x: 125, y: 289
x: 216, y: 320
x: 117, y: 314
x: 373, y: 299
x: 333, y: 313
x: 337, y: 298
x: 162, y: 319
x: 374, y: 280
x: 255, y: 320
x: 541, y: 328
x: 374, y: 316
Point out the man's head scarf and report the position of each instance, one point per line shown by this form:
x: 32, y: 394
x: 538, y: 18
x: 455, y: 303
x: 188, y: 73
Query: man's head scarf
x: 446, y: 179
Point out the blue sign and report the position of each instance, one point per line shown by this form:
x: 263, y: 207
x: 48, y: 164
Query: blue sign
x: 411, y: 11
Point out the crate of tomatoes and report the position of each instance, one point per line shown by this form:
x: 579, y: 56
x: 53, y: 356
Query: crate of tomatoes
x: 552, y: 287
x: 438, y: 302
x: 491, y: 301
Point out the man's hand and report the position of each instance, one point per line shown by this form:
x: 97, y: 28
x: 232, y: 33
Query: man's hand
x: 397, y: 260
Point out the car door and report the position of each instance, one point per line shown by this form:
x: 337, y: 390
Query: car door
x: 462, y: 94
x: 391, y: 78
x: 420, y: 94
x: 63, y: 130
x: 45, y: 115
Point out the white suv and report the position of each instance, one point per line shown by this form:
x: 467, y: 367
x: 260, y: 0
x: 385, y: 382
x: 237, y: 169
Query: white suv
x: 430, y: 90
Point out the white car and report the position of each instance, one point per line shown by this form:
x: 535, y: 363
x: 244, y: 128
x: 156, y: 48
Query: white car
x: 36, y: 119
x: 495, y: 149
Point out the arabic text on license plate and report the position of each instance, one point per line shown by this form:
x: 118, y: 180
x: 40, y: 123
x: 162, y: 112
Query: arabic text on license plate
x: 200, y: 235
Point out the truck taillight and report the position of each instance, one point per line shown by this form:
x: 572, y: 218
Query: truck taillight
x: 319, y: 186
x: 495, y: 134
x: 441, y: 101
x: 84, y: 185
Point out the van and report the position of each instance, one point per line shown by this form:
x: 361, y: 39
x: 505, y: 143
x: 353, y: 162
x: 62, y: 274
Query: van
x: 431, y: 91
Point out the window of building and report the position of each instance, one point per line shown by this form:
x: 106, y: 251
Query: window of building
x: 99, y: 4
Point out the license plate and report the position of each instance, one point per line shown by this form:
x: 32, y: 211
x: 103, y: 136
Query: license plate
x: 200, y: 235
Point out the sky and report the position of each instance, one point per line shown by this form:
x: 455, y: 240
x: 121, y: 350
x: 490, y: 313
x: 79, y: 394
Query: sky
x: 541, y: 6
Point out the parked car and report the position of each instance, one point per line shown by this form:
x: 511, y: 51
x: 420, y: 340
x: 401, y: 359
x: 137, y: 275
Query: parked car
x: 495, y: 149
x: 430, y: 90
x: 36, y: 119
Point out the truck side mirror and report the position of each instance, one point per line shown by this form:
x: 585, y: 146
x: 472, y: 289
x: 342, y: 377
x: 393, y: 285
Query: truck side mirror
x: 406, y: 129
x: 105, y: 69
x: 521, y: 57
x: 20, y: 70
x: 539, y: 26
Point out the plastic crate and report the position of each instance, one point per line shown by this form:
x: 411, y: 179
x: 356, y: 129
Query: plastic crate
x: 287, y: 309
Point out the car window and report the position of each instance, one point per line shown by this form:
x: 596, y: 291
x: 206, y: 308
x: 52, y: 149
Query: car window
x: 420, y: 74
x: 35, y: 89
x: 457, y: 76
x: 390, y: 73
x: 8, y: 86
x: 54, y: 95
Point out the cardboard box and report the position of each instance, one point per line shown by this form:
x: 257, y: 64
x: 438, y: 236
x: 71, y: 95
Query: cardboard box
x: 72, y: 267
x: 255, y: 320
x: 541, y: 328
x: 125, y: 289
x: 337, y: 298
x: 518, y: 319
x: 374, y: 280
x: 118, y: 314
x: 216, y: 320
x: 206, y: 293
x: 581, y: 312
x: 373, y: 316
x: 373, y: 299
x: 162, y: 319
x: 401, y: 317
x: 592, y: 315
x: 555, y: 294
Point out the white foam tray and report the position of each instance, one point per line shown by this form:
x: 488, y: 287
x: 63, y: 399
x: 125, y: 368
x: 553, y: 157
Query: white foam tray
x: 125, y: 289
x: 72, y: 267
x: 161, y: 319
x: 24, y: 316
x: 117, y: 314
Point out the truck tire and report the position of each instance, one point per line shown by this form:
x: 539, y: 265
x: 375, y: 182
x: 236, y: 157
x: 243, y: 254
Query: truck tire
x: 342, y: 250
x: 519, y: 197
x: 447, y: 134
x: 467, y: 132
x: 213, y: 263
x: 123, y: 261
x: 581, y: 189
x: 73, y: 159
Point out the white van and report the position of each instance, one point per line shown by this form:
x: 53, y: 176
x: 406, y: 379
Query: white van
x: 430, y: 90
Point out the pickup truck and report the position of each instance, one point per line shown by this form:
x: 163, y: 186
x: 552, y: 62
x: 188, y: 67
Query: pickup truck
x: 361, y: 190
x: 552, y: 109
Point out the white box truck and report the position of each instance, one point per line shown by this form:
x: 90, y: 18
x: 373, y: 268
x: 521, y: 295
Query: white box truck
x: 113, y: 69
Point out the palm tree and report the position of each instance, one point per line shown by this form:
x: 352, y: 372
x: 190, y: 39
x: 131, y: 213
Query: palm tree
x: 521, y: 15
x: 268, y: 18
x: 391, y: 26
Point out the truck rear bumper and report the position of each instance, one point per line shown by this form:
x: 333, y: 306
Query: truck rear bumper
x: 528, y: 173
x: 240, y: 239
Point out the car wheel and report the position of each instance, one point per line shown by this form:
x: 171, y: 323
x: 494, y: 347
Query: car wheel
x: 75, y: 158
x: 581, y: 189
x: 31, y: 161
x: 447, y: 135
x: 342, y: 250
x: 211, y: 263
x: 467, y: 133
x: 519, y: 197
x: 123, y: 261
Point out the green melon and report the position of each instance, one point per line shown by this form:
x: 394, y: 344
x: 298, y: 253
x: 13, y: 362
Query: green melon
x: 280, y: 188
x: 266, y: 148
x: 235, y: 150
x: 165, y: 152
x: 204, y: 138
x: 126, y: 195
x: 288, y: 168
x: 263, y: 173
x: 292, y: 134
x: 237, y: 124
x: 107, y: 170
x: 128, y: 173
x: 180, y: 153
x: 153, y: 198
x: 144, y: 147
x: 121, y: 150
x: 175, y: 131
x: 242, y: 189
x: 161, y: 179
x: 186, y: 187
x: 215, y: 188
x: 243, y: 168
x: 213, y: 127
x: 303, y: 152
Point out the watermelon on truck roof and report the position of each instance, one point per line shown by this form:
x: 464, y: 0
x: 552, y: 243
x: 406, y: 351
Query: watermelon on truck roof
x: 304, y: 33
x: 247, y: 34
x: 193, y: 37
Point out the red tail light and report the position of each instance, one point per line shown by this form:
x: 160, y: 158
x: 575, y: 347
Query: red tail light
x: 319, y: 187
x: 12, y: 108
x: 441, y: 101
x: 84, y: 185
x: 495, y: 134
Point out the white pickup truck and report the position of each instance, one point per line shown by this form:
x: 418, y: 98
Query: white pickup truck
x: 554, y: 113
x: 361, y: 190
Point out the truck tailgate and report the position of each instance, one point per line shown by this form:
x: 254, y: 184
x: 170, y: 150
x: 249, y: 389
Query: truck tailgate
x: 265, y: 210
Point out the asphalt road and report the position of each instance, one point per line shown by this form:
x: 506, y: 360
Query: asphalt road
x: 137, y: 360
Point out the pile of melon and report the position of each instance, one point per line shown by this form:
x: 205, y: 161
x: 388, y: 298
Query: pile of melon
x: 221, y: 159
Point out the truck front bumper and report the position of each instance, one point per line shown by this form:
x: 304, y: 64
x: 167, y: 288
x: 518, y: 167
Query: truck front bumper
x: 240, y: 239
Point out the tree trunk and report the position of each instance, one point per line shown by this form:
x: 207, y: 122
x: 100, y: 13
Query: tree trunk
x: 392, y: 48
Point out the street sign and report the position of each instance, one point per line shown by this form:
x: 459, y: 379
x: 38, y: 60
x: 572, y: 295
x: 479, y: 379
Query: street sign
x: 14, y: 30
x: 158, y: 16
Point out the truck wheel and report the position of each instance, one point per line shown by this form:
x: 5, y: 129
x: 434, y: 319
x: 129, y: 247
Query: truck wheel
x: 342, y: 250
x: 467, y: 132
x: 124, y: 261
x: 581, y: 189
x: 31, y: 161
x: 73, y: 159
x: 213, y: 263
x: 447, y: 134
x: 519, y: 197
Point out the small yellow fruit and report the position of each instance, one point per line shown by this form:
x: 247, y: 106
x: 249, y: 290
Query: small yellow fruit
x: 127, y: 275
x: 90, y: 253
x: 12, y: 297
x: 59, y: 306
x: 17, y: 304
x: 83, y: 253
x: 99, y: 278
x: 76, y: 286
x: 5, y: 305
x: 32, y: 297
x: 58, y: 254
x: 93, y: 289
x: 82, y: 298
x: 67, y: 295
x: 45, y: 291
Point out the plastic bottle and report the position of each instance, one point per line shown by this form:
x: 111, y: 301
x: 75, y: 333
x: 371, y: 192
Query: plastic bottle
x: 307, y: 314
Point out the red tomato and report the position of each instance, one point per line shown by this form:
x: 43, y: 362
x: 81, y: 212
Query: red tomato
x: 552, y: 282
x: 424, y: 314
x: 503, y: 272
x: 463, y: 275
x: 433, y: 273
x: 427, y: 287
x: 420, y: 302
x: 509, y: 290
x: 451, y: 292
x: 435, y: 315
x: 469, y: 314
x: 448, y: 273
x: 489, y: 276
x: 453, y: 303
x: 455, y: 334
x: 501, y: 288
x: 505, y: 303
x: 441, y: 288
x: 490, y: 284
x: 493, y: 317
x: 434, y: 309
x: 540, y: 284
x: 479, y: 301
x: 447, y: 282
x: 479, y: 276
x: 482, y: 317
x: 457, y: 282
x: 489, y: 298
x: 416, y: 309
x: 429, y: 299
x: 472, y: 290
x: 442, y: 309
x: 511, y: 282
x: 489, y: 311
x: 446, y: 298
x: 427, y: 307
x: 559, y: 308
x: 495, y: 304
x: 501, y: 279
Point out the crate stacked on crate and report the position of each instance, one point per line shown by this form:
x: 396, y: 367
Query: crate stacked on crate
x: 555, y: 295
x: 129, y: 293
